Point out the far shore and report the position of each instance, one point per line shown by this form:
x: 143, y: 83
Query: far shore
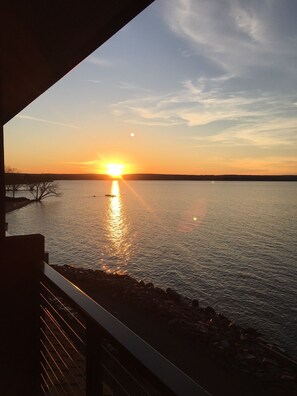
x: 165, y: 177
x: 223, y: 357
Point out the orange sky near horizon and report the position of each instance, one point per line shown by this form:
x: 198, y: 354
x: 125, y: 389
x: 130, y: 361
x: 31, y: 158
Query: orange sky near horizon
x: 38, y: 147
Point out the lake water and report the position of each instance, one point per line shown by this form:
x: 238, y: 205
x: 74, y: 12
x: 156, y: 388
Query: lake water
x: 232, y: 245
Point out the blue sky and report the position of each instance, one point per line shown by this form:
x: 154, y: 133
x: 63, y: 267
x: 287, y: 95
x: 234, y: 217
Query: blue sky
x: 205, y: 86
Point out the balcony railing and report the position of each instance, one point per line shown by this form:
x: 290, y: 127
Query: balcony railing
x: 87, y: 351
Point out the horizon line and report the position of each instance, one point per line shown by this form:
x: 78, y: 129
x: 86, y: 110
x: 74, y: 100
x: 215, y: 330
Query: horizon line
x: 163, y: 176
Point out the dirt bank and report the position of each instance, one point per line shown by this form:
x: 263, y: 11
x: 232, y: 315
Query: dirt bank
x: 15, y: 203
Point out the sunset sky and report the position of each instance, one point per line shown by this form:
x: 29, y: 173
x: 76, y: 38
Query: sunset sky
x: 188, y: 87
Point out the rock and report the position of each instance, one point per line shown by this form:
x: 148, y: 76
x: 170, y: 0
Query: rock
x: 195, y: 303
x: 225, y: 343
x: 252, y: 332
x: 172, y: 322
x: 272, y: 374
x: 186, y: 301
x: 160, y: 291
x: 149, y: 285
x: 250, y: 356
x: 259, y: 373
x: 223, y: 319
x: 210, y: 311
x: 288, y: 377
x: 270, y: 362
x: 202, y: 329
x: 173, y: 294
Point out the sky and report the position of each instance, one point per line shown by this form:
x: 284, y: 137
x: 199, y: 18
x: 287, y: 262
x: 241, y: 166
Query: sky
x: 187, y: 87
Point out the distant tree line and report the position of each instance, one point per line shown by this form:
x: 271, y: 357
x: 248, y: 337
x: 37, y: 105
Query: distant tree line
x: 159, y: 176
x: 40, y: 186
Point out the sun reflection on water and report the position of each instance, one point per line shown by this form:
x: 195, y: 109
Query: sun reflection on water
x: 120, y: 246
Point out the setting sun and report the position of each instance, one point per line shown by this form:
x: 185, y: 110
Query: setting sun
x: 114, y: 170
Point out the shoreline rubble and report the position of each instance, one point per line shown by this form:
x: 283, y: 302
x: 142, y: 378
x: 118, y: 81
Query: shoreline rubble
x: 241, y: 350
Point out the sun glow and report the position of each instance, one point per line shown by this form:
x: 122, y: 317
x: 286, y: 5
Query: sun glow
x: 114, y: 170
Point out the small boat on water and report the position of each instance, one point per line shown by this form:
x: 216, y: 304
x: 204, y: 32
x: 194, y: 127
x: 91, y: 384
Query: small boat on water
x: 110, y: 195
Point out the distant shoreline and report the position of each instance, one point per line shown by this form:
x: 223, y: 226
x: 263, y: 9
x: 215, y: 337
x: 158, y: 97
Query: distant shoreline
x: 176, y: 177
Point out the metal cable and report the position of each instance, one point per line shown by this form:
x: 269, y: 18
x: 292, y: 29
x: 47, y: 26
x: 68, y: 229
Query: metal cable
x: 63, y: 348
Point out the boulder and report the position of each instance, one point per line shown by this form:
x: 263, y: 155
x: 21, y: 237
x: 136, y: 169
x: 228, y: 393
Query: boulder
x: 173, y: 294
x: 210, y: 311
x: 195, y: 303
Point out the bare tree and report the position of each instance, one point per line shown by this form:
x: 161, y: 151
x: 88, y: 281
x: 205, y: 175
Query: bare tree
x: 13, y: 180
x: 43, y: 188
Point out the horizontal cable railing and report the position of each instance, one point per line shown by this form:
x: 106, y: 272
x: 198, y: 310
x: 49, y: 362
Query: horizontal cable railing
x: 87, y: 351
x: 62, y: 346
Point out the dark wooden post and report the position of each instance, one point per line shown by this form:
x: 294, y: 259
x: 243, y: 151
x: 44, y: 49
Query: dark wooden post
x: 21, y: 265
x: 94, y: 386
x: 2, y: 186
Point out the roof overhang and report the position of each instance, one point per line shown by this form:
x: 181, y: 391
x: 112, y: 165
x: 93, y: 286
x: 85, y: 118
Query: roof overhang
x: 42, y: 40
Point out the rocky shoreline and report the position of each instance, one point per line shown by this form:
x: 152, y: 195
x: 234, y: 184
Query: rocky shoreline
x: 241, y: 351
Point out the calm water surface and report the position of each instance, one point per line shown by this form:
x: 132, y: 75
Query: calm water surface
x: 232, y: 245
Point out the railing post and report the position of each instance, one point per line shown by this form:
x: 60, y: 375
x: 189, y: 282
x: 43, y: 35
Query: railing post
x: 19, y: 330
x: 2, y: 185
x: 94, y: 386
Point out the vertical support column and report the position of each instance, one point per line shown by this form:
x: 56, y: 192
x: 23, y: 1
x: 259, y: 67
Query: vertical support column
x: 21, y: 267
x: 94, y: 386
x: 2, y: 186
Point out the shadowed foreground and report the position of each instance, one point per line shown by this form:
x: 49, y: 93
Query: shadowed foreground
x: 221, y: 356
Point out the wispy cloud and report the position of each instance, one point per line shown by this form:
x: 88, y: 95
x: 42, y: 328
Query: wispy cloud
x: 274, y: 133
x: 131, y: 87
x: 148, y: 110
x: 252, y: 88
x: 84, y: 166
x: 237, y: 34
x: 94, y: 81
x: 255, y: 117
x: 26, y: 117
x: 99, y: 61
x: 94, y: 162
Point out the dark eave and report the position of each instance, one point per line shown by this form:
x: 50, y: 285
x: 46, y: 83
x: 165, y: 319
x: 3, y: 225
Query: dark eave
x: 42, y: 40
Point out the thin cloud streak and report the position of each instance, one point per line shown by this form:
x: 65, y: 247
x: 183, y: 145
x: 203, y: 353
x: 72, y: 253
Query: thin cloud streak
x: 26, y: 117
x: 94, y: 81
x: 99, y: 61
x: 83, y: 162
x: 132, y: 87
